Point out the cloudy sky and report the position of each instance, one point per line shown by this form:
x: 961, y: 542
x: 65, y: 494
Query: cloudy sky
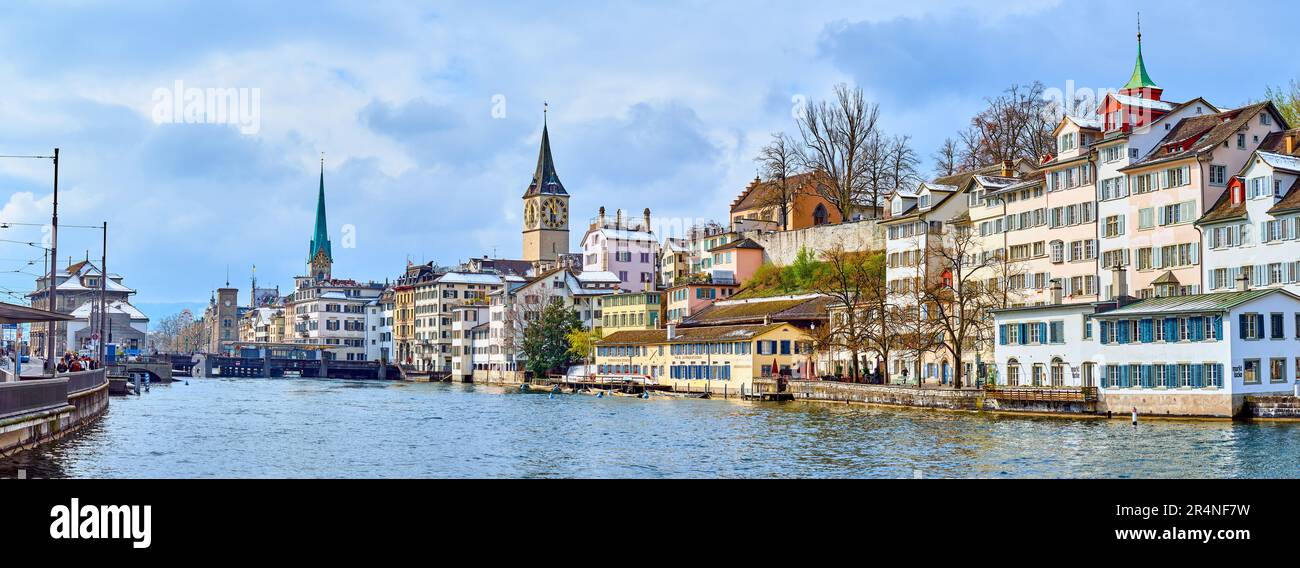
x: 429, y: 115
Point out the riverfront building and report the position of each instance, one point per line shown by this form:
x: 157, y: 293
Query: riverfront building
x: 631, y: 311
x: 1252, y: 233
x: 763, y: 205
x: 717, y: 358
x: 1193, y: 355
x: 323, y: 310
x: 77, y: 294
x: 625, y: 248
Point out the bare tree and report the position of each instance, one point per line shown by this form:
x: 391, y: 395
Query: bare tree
x: 970, y: 284
x: 779, y: 162
x: 837, y: 135
x: 901, y: 162
x: 1017, y: 124
x: 947, y: 160
x: 850, y: 279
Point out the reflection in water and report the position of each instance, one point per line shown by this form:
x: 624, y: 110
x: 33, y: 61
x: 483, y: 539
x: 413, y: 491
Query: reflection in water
x: 307, y: 428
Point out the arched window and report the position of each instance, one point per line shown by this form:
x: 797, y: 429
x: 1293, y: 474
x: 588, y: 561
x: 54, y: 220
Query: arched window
x: 1013, y: 373
x: 820, y: 215
x: 1058, y: 372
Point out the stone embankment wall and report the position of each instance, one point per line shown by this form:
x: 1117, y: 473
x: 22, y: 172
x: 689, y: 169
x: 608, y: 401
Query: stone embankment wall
x: 1273, y: 407
x: 828, y: 391
x: 781, y: 248
x: 28, y: 430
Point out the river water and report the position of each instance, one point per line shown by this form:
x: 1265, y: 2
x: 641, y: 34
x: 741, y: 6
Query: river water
x: 341, y: 429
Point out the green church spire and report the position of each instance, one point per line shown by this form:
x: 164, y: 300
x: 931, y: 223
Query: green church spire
x: 1140, y: 79
x: 320, y: 242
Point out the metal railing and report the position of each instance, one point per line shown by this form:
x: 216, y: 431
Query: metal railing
x: 30, y: 396
x: 1036, y: 394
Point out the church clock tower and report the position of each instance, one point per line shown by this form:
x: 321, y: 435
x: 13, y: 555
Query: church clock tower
x: 320, y: 259
x: 546, y: 208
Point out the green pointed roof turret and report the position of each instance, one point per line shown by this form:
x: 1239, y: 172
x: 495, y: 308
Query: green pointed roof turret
x: 320, y: 241
x: 1140, y: 79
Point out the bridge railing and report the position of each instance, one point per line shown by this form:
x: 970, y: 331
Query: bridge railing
x: 30, y: 396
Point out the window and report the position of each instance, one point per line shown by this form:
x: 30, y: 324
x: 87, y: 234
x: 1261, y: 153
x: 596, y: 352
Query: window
x: 1275, y: 327
x: 1113, y: 226
x: 1013, y: 373
x: 1058, y: 373
x: 1277, y: 370
x: 1089, y: 374
x: 1241, y: 141
x: 1038, y: 375
x: 1218, y: 175
x: 1250, y: 372
x: 1213, y: 375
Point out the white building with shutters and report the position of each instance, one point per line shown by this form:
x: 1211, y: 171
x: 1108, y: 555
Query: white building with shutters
x: 1251, y: 236
x: 1196, y: 355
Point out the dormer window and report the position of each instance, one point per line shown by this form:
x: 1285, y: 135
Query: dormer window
x: 925, y: 201
x: 896, y: 206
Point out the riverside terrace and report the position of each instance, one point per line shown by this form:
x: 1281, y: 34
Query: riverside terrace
x: 37, y: 408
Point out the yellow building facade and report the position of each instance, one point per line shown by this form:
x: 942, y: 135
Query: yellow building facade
x: 720, y: 359
x: 634, y: 311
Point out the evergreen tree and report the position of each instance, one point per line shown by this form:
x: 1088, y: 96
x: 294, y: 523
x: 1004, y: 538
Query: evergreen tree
x: 546, y: 339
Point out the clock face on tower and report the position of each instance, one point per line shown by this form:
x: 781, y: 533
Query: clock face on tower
x: 530, y: 215
x: 554, y: 213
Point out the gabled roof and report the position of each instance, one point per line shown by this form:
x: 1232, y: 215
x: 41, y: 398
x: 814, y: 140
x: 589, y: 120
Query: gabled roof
x: 469, y: 278
x: 745, y: 243
x: 945, y: 186
x: 1290, y: 202
x: 799, y: 308
x: 1224, y: 210
x: 758, y: 192
x: 1198, y: 134
x: 1217, y: 302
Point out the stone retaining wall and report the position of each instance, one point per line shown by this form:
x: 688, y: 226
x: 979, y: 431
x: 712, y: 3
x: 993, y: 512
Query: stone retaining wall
x: 887, y: 395
x: 1285, y: 407
x: 781, y: 247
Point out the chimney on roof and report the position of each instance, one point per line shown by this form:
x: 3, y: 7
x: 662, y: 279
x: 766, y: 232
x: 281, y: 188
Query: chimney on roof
x: 1119, y: 282
x: 1058, y: 293
x: 601, y: 220
x: 647, y: 219
x: 618, y: 218
x: 1008, y: 168
x: 1243, y: 283
x: 1290, y: 143
x: 672, y: 331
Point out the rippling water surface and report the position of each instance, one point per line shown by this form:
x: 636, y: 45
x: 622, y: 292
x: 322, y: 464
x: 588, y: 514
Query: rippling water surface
x: 312, y: 428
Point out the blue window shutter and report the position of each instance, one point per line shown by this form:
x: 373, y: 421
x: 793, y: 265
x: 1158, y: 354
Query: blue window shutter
x: 1171, y: 329
x: 1122, y: 332
x: 1171, y: 374
x: 1144, y: 331
x: 1105, y: 328
x: 1024, y: 334
x: 1259, y: 326
x: 1198, y: 375
x: 1002, y: 334
x: 1218, y: 329
x: 1124, y: 375
x: 1042, y: 333
x: 1241, y: 326
x: 1197, y: 329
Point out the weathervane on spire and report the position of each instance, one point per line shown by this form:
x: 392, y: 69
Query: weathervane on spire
x: 1139, y: 27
